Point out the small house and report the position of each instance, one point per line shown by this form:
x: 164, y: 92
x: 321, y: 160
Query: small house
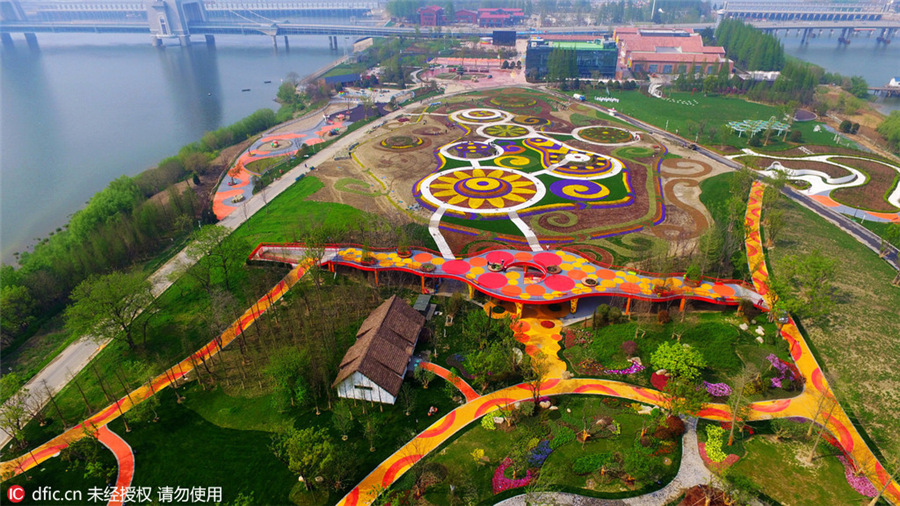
x: 374, y: 367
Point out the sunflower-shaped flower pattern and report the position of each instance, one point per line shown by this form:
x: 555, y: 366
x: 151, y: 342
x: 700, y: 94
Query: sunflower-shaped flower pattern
x: 505, y: 131
x: 487, y: 189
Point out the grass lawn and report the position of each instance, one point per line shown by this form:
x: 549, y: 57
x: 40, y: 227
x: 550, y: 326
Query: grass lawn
x: 774, y: 468
x: 346, y: 68
x: 183, y: 449
x: 860, y: 345
x: 473, y: 480
x: 880, y: 228
x: 716, y: 111
x: 716, y: 335
x: 264, y: 164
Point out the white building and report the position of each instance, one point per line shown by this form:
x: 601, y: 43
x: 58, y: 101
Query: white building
x: 374, y: 367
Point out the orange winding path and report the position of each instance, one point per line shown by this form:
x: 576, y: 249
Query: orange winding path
x: 124, y: 457
x: 460, y: 384
x: 113, y: 411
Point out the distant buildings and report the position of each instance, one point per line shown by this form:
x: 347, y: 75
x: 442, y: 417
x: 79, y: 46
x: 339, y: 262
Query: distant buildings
x: 667, y: 51
x: 433, y: 15
x: 596, y: 58
x: 374, y: 367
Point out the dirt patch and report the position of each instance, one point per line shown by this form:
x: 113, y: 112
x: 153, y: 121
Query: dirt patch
x: 686, y: 217
x: 872, y: 195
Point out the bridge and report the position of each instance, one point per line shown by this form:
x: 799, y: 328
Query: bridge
x: 180, y: 19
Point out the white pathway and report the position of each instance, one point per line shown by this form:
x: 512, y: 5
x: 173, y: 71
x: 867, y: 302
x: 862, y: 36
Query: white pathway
x: 819, y: 182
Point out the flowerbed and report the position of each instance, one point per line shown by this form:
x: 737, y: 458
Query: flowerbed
x: 716, y: 466
x: 500, y: 482
x: 717, y: 389
x: 786, y: 374
x: 714, y: 443
x: 635, y: 367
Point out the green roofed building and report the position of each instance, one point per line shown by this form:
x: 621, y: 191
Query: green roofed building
x: 566, y: 59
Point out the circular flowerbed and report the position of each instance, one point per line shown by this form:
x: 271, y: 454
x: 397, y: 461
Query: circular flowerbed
x: 607, y: 135
x: 634, y: 152
x: 506, y: 131
x: 531, y: 121
x: 402, y: 142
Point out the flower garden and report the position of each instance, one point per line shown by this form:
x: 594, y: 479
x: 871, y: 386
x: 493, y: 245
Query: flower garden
x: 595, y: 446
x: 607, y: 135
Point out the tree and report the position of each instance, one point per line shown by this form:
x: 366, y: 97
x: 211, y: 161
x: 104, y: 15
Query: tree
x: 106, y: 307
x: 679, y: 360
x: 684, y: 397
x: 286, y: 370
x: 212, y: 249
x: 14, y: 414
x: 536, y: 375
x: 307, y: 452
x: 424, y: 376
x: 738, y: 401
x: 16, y: 310
x: 87, y: 452
x: 803, y: 284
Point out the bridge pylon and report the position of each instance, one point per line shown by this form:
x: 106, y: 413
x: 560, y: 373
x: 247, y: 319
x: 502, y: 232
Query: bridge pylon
x: 172, y: 19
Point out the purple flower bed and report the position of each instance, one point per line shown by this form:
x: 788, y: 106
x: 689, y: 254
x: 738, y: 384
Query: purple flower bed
x: 786, y: 374
x: 500, y: 482
x: 859, y: 483
x: 717, y: 389
x: 540, y: 453
x: 635, y: 367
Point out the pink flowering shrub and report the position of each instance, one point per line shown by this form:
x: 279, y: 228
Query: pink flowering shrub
x: 717, y: 389
x: 500, y: 482
x: 859, y: 483
x: 633, y: 368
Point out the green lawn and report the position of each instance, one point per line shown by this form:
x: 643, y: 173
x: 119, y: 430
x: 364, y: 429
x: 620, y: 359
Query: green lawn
x: 716, y: 335
x: 715, y: 111
x: 264, y: 164
x: 860, y: 345
x: 774, y: 468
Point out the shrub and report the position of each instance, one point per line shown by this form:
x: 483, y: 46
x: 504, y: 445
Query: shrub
x: 561, y: 436
x: 796, y: 136
x: 754, y: 142
x: 630, y: 348
x: 663, y: 317
x: 488, y: 422
x: 845, y: 126
x: 591, y: 463
x: 601, y: 315
x: 615, y: 315
x: 675, y: 425
x: 692, y: 272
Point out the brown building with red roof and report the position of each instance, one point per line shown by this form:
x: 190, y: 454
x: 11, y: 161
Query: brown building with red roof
x: 467, y: 16
x: 500, y: 16
x: 374, y: 367
x: 668, y: 51
x: 431, y: 15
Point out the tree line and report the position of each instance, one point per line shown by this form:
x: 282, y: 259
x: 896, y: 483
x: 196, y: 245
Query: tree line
x: 750, y: 48
x: 131, y: 220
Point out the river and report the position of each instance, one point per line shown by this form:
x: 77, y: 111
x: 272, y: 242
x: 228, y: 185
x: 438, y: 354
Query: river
x: 877, y: 63
x: 86, y: 109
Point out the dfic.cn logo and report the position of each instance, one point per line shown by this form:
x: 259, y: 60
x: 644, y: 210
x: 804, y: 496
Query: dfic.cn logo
x: 16, y: 493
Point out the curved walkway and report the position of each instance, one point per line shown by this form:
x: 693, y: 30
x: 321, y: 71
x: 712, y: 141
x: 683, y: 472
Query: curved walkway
x: 553, y: 276
x: 113, y: 411
x: 124, y: 457
x: 815, y: 384
x: 463, y: 387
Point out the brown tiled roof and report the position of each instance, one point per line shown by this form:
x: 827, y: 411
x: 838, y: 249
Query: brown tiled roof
x: 384, y: 344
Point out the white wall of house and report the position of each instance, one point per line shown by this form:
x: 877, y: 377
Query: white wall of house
x: 360, y: 387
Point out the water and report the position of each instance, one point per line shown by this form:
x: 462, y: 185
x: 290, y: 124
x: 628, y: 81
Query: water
x: 877, y: 63
x: 86, y: 109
